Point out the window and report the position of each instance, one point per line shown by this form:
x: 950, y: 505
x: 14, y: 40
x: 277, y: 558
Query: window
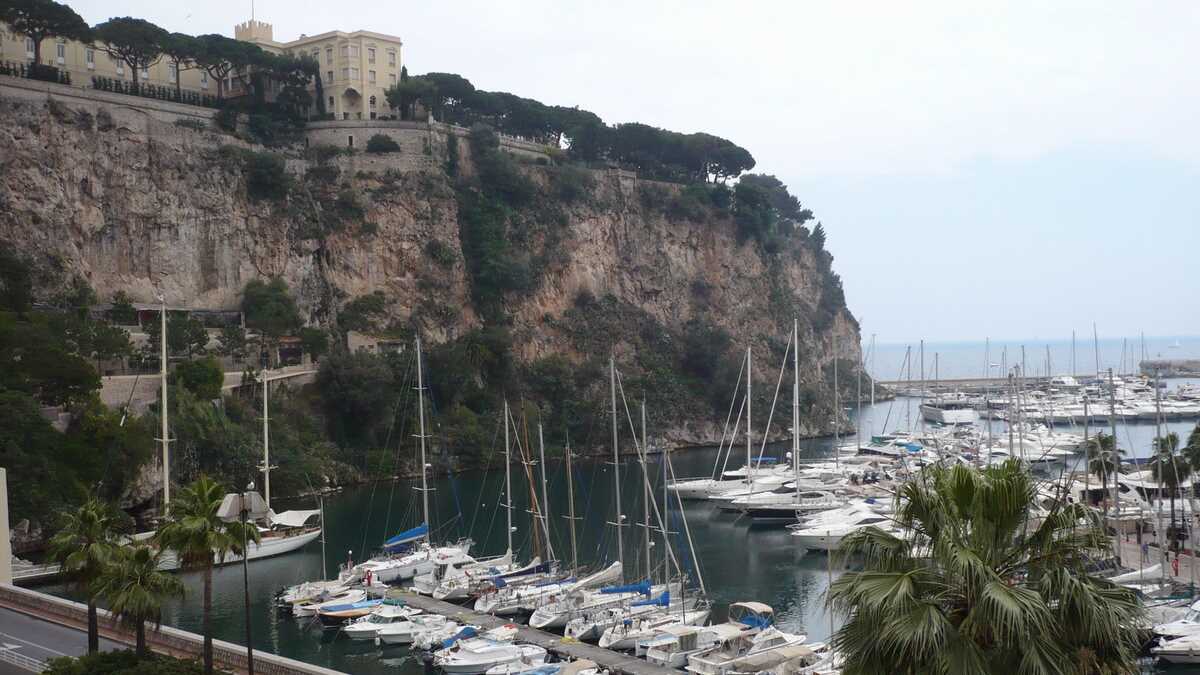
x: 120, y: 67
x: 145, y: 74
x: 345, y: 73
x: 346, y: 116
x: 172, y: 72
x: 370, y: 56
x: 392, y: 77
x: 329, y: 76
x: 204, y: 79
x: 391, y: 58
x: 330, y: 101
x: 60, y: 52
x: 329, y: 55
x: 345, y: 51
x: 354, y: 51
x: 350, y: 141
x: 316, y: 55
x: 90, y: 56
x: 354, y: 73
x: 372, y: 101
x: 29, y: 47
x: 370, y: 76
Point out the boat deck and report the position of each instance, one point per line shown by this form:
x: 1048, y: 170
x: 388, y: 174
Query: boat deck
x: 616, y: 662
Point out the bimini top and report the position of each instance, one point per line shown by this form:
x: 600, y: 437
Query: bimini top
x: 756, y: 607
x: 293, y: 518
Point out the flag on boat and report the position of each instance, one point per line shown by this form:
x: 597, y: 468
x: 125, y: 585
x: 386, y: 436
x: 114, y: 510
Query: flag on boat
x: 407, y: 536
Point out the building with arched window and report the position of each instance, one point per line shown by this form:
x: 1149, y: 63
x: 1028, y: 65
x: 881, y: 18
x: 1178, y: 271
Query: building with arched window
x: 356, y: 68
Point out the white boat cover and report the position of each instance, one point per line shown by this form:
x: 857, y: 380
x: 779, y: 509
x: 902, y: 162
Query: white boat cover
x: 293, y: 518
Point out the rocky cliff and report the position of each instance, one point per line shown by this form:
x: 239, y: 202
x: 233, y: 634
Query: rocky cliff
x: 143, y: 205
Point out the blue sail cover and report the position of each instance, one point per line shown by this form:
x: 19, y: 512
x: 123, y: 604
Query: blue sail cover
x: 642, y: 587
x: 405, y: 537
x: 663, y: 600
x: 466, y: 632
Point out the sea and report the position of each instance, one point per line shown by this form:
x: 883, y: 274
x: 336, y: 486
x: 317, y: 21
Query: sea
x: 1083, y: 356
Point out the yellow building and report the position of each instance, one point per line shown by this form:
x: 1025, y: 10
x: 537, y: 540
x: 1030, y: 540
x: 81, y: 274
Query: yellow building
x: 84, y: 62
x: 356, y: 68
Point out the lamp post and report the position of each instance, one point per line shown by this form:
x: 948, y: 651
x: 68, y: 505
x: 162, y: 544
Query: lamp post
x: 246, y: 577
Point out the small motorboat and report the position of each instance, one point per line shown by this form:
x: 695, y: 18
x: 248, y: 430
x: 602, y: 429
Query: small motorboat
x: 311, y: 608
x: 403, y: 632
x: 367, y: 627
x: 333, y: 616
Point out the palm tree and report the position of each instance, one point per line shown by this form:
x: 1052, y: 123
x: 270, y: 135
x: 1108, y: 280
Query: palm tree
x: 980, y: 587
x: 1170, y: 471
x: 136, y: 588
x: 198, y: 535
x: 1192, y: 450
x: 1104, y: 460
x: 83, y: 547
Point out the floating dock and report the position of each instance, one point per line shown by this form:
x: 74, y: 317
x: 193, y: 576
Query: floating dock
x: 616, y: 662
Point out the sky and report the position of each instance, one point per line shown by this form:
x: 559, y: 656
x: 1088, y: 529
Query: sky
x: 982, y: 170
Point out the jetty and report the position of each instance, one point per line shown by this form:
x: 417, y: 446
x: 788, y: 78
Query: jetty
x: 564, y: 648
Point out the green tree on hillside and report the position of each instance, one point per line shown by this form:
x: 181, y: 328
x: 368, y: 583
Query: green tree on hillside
x: 202, y: 377
x: 16, y: 281
x: 182, y: 50
x: 136, y: 42
x: 270, y: 309
x: 42, y: 19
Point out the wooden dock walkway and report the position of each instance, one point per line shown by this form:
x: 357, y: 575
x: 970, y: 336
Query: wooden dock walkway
x: 616, y: 662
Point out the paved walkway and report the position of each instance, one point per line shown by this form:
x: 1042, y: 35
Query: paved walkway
x: 41, y: 641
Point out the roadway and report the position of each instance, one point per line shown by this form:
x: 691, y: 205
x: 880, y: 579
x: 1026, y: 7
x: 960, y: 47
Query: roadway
x: 41, y: 640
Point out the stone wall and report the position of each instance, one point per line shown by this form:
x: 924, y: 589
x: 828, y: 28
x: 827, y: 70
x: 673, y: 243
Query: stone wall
x: 123, y: 107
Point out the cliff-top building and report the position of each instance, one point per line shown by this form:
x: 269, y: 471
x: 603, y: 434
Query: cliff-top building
x: 356, y: 68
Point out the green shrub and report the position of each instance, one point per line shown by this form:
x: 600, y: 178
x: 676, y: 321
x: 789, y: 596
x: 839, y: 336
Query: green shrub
x: 571, y: 183
x: 441, y: 253
x: 226, y: 119
x: 124, y: 662
x: 203, y: 377
x: 451, y: 155
x: 191, y: 123
x: 362, y: 313
x: 322, y: 152
x: 380, y: 143
x: 322, y: 173
x: 266, y: 176
x: 104, y: 120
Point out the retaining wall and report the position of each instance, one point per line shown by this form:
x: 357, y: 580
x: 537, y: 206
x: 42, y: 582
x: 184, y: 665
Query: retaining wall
x: 165, y: 640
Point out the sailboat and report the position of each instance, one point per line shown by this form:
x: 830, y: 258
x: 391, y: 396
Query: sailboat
x: 410, y: 554
x: 280, y: 532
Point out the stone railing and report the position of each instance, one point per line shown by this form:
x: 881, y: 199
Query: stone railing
x: 164, y: 640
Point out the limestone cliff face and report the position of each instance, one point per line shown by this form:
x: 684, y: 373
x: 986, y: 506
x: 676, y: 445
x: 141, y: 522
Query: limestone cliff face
x: 139, y: 205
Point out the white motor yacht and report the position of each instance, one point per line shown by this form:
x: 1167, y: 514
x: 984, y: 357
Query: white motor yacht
x: 1179, y: 650
x: 367, y: 628
x: 403, y: 632
x: 471, y: 657
x: 828, y: 536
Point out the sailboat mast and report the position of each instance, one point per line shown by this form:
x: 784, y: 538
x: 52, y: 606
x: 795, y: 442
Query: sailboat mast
x: 796, y: 403
x: 749, y: 434
x: 507, y: 480
x: 571, y: 508
x: 872, y: 374
x: 837, y: 410
x: 545, y: 507
x: 1112, y: 419
x: 266, y: 467
x: 612, y: 384
x: 421, y: 418
x: 162, y: 372
x: 645, y: 494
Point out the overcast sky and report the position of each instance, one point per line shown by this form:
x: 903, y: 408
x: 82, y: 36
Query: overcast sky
x: 981, y: 169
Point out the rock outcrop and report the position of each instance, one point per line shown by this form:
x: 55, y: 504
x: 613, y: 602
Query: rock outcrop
x: 160, y: 208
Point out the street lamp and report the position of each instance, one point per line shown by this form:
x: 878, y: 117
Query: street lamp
x: 246, y: 578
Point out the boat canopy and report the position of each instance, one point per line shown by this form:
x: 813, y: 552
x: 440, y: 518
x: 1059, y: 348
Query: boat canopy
x: 406, y: 536
x: 642, y: 587
x: 293, y: 518
x: 753, y: 614
x: 663, y: 600
x: 466, y: 632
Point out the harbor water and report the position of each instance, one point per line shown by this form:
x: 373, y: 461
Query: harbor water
x: 737, y: 562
